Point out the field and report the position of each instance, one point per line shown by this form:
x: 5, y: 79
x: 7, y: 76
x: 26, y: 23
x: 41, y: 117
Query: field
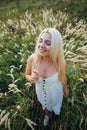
x: 20, y: 25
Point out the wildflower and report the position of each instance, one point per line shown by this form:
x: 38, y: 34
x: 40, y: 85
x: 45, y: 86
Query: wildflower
x: 12, y: 76
x: 1, y: 94
x: 10, y: 22
x: 9, y: 122
x: 1, y: 36
x: 2, y: 113
x: 81, y: 79
x: 18, y: 107
x: 85, y: 98
x: 30, y: 123
x: 13, y: 88
x: 3, y: 119
x: 28, y: 84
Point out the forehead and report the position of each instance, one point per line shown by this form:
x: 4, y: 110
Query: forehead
x: 45, y: 36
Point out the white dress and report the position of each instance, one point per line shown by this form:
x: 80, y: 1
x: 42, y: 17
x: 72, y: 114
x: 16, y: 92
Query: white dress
x: 50, y: 93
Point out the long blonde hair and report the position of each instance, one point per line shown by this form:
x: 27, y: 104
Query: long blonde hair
x: 57, y: 52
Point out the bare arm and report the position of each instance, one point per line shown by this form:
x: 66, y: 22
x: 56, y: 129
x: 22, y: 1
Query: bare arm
x: 65, y: 86
x: 31, y: 76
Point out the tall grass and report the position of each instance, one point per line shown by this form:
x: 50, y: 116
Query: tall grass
x: 19, y: 108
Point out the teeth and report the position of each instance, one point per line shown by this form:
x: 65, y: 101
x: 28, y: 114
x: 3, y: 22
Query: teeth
x: 42, y: 50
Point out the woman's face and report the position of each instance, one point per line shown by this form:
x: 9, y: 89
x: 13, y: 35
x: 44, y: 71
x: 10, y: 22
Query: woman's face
x: 44, y: 44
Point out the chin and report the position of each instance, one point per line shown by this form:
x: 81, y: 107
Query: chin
x: 41, y: 54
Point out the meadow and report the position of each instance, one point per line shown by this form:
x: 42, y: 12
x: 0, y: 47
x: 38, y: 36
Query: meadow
x: 19, y: 108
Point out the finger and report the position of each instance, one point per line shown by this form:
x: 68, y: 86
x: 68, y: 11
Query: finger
x: 34, y: 77
x: 36, y: 72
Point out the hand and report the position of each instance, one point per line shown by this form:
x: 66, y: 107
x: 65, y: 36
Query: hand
x: 66, y: 92
x: 34, y: 76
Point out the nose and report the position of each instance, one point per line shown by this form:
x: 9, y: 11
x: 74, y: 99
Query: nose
x: 42, y: 44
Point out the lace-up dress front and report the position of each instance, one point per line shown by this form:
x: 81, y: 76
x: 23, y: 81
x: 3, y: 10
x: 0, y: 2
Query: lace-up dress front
x: 50, y: 93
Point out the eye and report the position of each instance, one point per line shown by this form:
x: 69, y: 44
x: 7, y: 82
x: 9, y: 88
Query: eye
x: 48, y: 43
x: 40, y: 40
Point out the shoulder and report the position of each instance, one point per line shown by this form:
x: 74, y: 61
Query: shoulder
x: 31, y: 57
x: 30, y: 62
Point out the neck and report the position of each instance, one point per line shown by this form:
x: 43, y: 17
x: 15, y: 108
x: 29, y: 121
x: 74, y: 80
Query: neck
x: 46, y: 59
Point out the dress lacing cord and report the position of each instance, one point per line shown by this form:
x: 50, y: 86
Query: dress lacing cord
x: 44, y: 91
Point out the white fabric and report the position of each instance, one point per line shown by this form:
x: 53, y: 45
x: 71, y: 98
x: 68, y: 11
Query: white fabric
x: 50, y: 93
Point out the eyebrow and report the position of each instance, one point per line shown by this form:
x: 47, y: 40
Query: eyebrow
x: 48, y: 41
x: 45, y: 40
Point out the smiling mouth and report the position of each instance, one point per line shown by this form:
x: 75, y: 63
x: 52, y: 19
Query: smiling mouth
x: 42, y: 50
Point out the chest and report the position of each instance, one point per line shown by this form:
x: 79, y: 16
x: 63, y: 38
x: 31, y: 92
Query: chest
x: 46, y: 70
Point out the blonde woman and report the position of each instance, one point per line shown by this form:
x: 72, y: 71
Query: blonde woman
x: 47, y: 69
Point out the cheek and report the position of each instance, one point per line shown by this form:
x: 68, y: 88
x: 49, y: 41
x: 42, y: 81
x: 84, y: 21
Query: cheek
x: 49, y: 48
x: 38, y: 46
